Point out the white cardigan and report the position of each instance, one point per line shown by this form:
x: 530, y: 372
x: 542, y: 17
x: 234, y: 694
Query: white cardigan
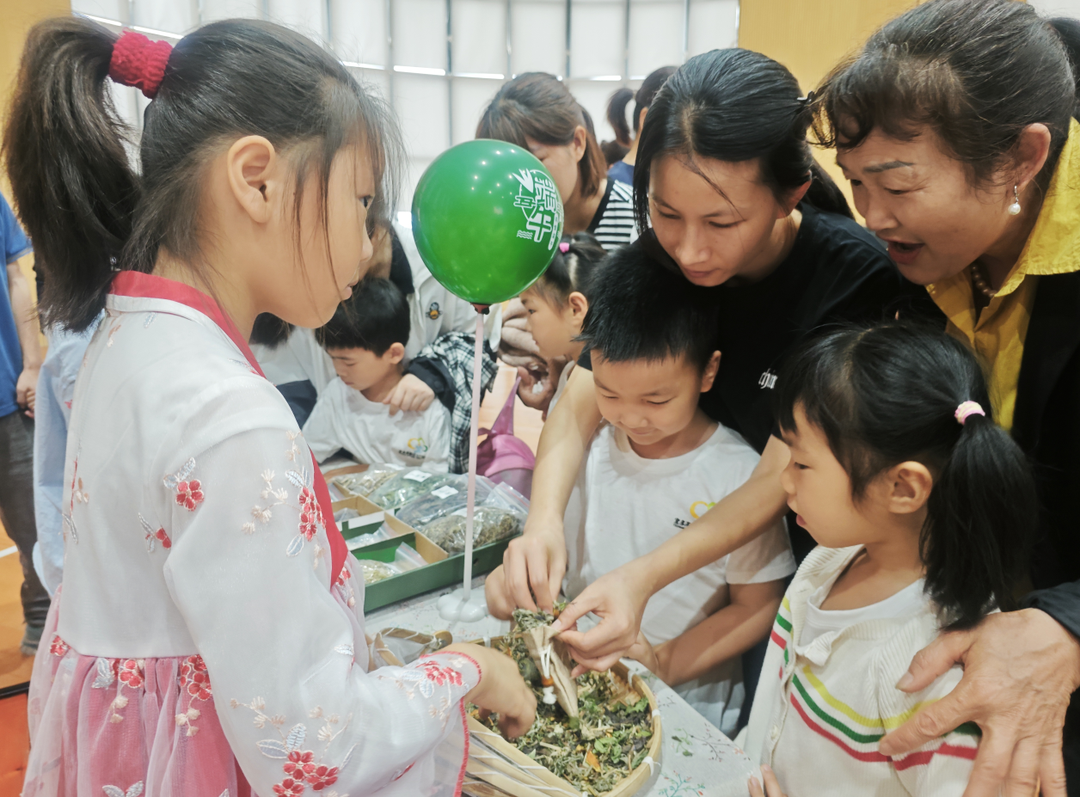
x: 821, y: 709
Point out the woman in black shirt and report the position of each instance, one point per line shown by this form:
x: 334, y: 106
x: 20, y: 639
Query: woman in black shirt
x: 728, y: 195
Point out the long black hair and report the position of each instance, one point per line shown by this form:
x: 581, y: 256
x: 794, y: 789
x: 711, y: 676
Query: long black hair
x: 90, y: 213
x: 734, y: 105
x: 888, y: 394
x: 976, y: 72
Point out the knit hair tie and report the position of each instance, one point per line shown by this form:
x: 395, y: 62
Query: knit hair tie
x: 137, y: 61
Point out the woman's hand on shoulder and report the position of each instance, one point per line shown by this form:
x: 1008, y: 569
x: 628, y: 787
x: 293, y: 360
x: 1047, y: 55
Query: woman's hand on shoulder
x: 1020, y: 670
x: 501, y: 690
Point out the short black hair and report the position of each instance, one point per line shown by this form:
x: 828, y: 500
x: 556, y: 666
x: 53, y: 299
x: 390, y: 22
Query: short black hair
x: 375, y: 317
x: 639, y: 310
x: 571, y: 270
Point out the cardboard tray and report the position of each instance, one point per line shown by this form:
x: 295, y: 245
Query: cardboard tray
x: 442, y: 570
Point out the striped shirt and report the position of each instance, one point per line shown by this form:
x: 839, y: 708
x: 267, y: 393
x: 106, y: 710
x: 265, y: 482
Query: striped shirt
x: 821, y: 709
x: 613, y: 225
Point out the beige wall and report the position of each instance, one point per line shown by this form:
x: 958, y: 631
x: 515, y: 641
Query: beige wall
x: 810, y: 36
x: 19, y: 16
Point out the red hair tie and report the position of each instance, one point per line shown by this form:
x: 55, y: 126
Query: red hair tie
x: 137, y: 61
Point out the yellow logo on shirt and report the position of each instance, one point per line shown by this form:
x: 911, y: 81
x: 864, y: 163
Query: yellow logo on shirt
x: 699, y: 508
x: 418, y: 446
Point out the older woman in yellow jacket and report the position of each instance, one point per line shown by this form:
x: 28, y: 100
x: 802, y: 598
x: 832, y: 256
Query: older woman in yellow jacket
x: 955, y: 125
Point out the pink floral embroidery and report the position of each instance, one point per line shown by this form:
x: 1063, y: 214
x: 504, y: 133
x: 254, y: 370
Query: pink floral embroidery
x: 153, y: 536
x: 196, y: 679
x: 343, y: 576
x: 300, y: 765
x: 129, y: 673
x: 189, y: 494
x: 59, y: 647
x: 440, y: 675
x: 311, y: 516
x: 289, y: 788
x: 322, y: 777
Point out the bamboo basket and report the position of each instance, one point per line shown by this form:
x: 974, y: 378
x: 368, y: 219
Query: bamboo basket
x: 496, y: 768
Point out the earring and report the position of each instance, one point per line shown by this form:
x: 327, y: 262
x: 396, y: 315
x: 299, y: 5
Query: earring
x: 1014, y: 208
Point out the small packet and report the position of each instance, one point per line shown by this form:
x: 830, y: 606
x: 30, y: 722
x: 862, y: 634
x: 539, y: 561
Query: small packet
x: 444, y: 500
x: 367, y: 482
x: 375, y: 571
x: 384, y: 532
x: 408, y: 558
x: 490, y: 524
x: 407, y: 486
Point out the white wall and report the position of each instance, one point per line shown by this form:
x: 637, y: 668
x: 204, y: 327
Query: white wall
x: 1057, y: 8
x: 439, y: 92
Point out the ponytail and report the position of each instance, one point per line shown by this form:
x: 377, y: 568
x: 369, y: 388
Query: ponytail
x: 87, y: 212
x: 616, y: 115
x: 572, y: 268
x: 889, y: 394
x: 64, y: 150
x: 973, y: 543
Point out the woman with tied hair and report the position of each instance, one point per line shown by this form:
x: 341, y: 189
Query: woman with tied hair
x: 956, y: 125
x: 730, y: 200
x: 537, y: 112
x: 208, y: 638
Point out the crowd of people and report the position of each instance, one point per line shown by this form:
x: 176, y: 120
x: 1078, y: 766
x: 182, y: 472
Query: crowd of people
x: 813, y: 473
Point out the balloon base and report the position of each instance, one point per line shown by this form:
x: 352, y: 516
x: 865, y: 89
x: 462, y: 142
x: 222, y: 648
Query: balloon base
x: 454, y: 607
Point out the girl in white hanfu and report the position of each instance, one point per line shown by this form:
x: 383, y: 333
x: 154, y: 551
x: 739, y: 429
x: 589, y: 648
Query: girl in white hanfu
x: 208, y: 639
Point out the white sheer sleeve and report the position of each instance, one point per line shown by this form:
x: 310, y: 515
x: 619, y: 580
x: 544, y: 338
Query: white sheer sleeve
x: 284, y: 652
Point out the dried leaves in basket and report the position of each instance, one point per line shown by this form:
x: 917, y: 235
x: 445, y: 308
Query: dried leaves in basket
x: 608, y: 739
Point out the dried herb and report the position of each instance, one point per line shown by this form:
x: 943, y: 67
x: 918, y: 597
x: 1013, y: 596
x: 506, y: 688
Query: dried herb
x: 376, y: 571
x: 604, y: 745
x: 490, y: 524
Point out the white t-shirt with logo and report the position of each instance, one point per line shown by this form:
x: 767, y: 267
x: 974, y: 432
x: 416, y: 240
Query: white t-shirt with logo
x: 625, y: 506
x: 343, y: 418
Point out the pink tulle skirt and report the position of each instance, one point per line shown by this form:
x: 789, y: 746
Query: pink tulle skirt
x: 124, y: 727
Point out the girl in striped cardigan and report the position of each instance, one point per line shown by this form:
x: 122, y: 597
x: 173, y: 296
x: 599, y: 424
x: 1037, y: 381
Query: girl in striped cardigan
x: 922, y: 508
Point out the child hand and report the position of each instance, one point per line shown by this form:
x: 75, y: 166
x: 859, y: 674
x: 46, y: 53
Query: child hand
x: 772, y: 785
x: 501, y: 690
x: 410, y: 395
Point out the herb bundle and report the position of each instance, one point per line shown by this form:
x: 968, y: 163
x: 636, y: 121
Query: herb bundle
x: 604, y: 744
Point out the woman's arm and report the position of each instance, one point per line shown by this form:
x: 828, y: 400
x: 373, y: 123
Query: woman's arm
x: 619, y: 597
x: 535, y: 562
x: 720, y: 637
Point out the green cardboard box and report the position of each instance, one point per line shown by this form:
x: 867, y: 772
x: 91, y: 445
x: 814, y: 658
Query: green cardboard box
x: 442, y: 569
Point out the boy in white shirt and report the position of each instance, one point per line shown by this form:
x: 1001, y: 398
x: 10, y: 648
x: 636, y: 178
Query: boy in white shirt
x: 657, y: 464
x: 366, y: 342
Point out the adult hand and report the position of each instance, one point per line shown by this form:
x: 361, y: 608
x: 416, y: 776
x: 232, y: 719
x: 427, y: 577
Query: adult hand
x: 536, y: 388
x: 1020, y: 670
x: 26, y: 389
x: 500, y: 602
x: 618, y: 599
x: 501, y: 690
x: 411, y: 394
x: 772, y: 785
x: 534, y: 565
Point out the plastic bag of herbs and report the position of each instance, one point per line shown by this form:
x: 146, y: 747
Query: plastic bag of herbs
x: 406, y: 486
x: 500, y: 516
x: 367, y: 482
x: 610, y: 737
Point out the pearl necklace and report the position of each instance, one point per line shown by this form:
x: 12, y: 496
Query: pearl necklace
x: 980, y: 283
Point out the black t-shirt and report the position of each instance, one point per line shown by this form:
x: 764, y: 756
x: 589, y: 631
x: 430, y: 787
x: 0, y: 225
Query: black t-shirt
x: 837, y: 272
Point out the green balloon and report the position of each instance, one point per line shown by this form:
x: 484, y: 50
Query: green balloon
x: 487, y: 219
